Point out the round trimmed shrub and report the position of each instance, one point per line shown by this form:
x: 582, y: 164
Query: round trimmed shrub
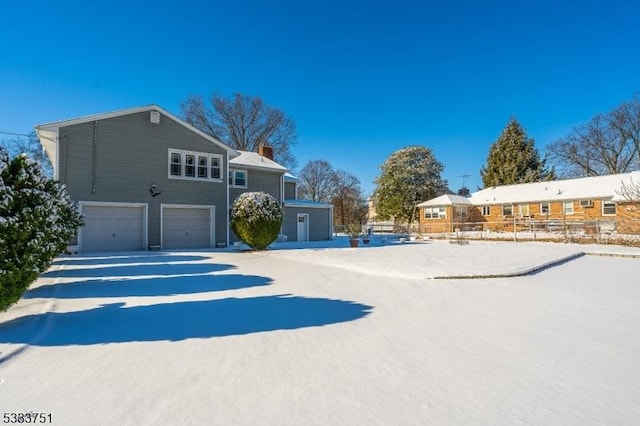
x: 256, y: 218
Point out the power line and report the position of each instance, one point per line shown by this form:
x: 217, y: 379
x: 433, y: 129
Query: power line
x: 15, y: 134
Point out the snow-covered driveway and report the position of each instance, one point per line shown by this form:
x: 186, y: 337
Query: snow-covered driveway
x: 328, y: 336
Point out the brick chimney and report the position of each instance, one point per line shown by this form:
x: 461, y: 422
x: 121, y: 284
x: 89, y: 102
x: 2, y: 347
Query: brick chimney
x: 266, y: 151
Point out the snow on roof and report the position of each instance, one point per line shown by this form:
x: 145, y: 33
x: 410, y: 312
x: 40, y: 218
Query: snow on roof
x: 570, y: 189
x: 603, y: 187
x: 255, y: 160
x: 445, y: 200
x: 306, y: 203
x: 288, y: 177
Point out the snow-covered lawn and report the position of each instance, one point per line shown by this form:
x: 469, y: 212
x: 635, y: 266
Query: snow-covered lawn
x: 303, y: 334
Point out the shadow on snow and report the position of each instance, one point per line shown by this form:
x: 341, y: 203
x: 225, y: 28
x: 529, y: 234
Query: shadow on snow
x: 158, y: 286
x: 139, y: 270
x: 132, y: 258
x: 116, y: 323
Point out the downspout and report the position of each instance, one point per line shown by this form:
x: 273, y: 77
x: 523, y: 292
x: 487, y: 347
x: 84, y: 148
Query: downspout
x: 94, y: 153
x: 227, y: 211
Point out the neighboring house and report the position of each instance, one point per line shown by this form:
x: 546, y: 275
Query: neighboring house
x: 144, y: 178
x: 502, y: 207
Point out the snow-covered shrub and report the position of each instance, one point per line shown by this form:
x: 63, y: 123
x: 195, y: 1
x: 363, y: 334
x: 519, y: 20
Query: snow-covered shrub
x: 37, y: 219
x: 256, y: 218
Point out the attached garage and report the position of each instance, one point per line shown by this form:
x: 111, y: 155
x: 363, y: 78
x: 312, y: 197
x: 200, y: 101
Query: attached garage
x: 113, y: 227
x: 187, y: 226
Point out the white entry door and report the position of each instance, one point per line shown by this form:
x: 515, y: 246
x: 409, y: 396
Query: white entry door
x: 303, y: 227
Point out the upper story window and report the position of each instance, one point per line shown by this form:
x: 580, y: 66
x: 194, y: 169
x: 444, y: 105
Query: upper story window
x: 195, y: 165
x: 608, y: 208
x: 238, y: 178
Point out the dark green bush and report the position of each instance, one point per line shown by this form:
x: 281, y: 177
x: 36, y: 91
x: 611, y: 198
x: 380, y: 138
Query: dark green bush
x: 256, y: 218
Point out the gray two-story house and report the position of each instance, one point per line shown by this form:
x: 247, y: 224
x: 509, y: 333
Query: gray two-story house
x: 144, y: 178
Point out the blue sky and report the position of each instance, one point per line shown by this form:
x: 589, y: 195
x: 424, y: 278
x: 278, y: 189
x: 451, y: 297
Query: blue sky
x: 361, y: 79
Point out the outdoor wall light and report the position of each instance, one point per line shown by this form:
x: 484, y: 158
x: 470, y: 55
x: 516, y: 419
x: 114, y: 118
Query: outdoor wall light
x: 153, y: 189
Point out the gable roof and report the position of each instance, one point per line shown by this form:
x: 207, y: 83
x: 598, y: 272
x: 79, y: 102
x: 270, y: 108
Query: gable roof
x: 446, y: 200
x: 254, y: 160
x: 48, y: 132
x: 602, y: 187
x: 557, y: 190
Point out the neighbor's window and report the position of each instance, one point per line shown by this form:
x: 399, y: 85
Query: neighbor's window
x: 567, y: 207
x: 608, y: 207
x: 486, y: 210
x: 523, y: 209
x: 544, y: 208
x: 194, y: 165
x: 238, y: 178
x: 507, y: 210
x: 435, y: 212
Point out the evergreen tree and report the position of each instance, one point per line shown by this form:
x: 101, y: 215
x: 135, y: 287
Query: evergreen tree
x: 37, y: 219
x: 408, y: 176
x: 513, y: 159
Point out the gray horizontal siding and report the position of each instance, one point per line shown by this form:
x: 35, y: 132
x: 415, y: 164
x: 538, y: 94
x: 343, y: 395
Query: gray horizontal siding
x: 319, y: 219
x: 131, y: 153
x: 289, y: 191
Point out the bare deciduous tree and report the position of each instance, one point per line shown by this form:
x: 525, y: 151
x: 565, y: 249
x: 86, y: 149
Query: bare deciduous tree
x: 243, y: 122
x: 349, y: 206
x: 629, y: 218
x: 316, y: 181
x: 30, y: 145
x: 608, y: 144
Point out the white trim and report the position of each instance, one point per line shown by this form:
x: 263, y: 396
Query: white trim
x: 145, y: 218
x: 615, y: 205
x: 183, y: 165
x: 293, y: 203
x: 212, y: 219
x: 564, y: 210
x: 246, y: 178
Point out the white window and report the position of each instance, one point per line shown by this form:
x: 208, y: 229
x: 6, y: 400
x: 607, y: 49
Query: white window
x: 194, y: 165
x: 216, y: 168
x: 461, y: 212
x: 486, y: 210
x: 238, y: 178
x: 544, y: 208
x: 175, y: 165
x: 435, y: 212
x: 190, y: 165
x: 523, y: 209
x: 608, y: 208
x: 567, y: 207
x: 507, y: 210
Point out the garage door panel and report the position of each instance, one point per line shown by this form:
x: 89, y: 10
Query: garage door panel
x: 112, y: 228
x: 186, y: 228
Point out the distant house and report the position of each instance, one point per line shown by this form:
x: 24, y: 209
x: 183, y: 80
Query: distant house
x: 501, y: 207
x: 144, y: 178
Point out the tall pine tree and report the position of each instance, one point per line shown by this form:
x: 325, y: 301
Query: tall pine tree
x: 513, y: 159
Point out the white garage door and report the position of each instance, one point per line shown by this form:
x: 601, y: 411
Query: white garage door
x: 112, y: 228
x: 186, y: 227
